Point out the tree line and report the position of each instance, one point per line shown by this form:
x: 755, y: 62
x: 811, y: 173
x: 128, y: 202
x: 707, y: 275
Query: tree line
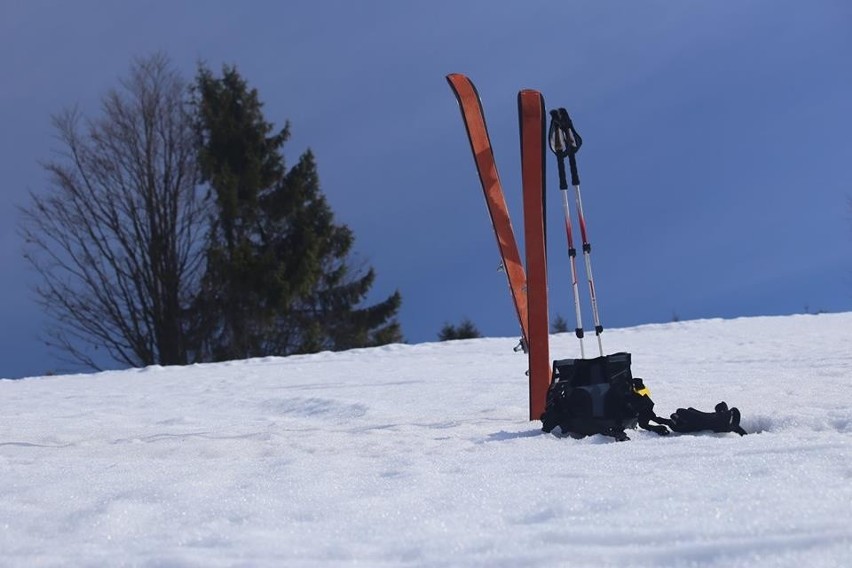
x: 172, y: 231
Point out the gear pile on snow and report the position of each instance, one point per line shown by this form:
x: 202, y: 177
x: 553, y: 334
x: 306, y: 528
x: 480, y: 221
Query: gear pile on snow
x: 598, y: 396
x: 601, y: 396
x: 581, y: 396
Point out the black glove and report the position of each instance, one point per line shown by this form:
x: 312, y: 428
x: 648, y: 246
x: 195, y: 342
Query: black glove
x: 724, y: 419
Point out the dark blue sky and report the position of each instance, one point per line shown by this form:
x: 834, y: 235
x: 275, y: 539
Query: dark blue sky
x: 715, y: 166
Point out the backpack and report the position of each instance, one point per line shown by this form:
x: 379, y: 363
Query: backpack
x: 598, y: 396
x: 601, y: 396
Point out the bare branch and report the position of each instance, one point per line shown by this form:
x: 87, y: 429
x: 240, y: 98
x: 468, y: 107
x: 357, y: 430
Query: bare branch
x: 118, y: 236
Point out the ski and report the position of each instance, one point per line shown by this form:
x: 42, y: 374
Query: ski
x: 531, y: 117
x: 483, y: 155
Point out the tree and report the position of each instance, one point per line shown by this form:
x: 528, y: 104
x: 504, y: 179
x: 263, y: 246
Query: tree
x: 116, y: 237
x: 279, y: 279
x: 559, y: 325
x: 172, y: 232
x: 465, y: 330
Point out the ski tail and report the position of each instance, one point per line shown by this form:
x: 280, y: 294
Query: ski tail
x: 483, y: 155
x: 531, y: 115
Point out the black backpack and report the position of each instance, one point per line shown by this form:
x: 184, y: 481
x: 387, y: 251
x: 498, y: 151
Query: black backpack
x: 598, y: 396
x: 601, y: 396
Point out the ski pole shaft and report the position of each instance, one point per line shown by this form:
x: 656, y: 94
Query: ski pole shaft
x: 572, y: 259
x: 587, y: 257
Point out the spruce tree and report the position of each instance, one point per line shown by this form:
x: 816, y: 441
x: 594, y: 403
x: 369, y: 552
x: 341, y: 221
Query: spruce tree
x: 279, y: 279
x: 559, y: 325
x: 465, y: 330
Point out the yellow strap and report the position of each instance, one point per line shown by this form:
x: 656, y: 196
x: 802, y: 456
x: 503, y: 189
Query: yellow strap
x: 643, y: 392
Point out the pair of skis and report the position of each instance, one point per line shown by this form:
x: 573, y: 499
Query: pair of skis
x: 528, y: 287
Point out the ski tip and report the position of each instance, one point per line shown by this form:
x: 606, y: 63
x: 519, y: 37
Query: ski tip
x: 455, y: 77
x: 462, y: 86
x: 531, y: 97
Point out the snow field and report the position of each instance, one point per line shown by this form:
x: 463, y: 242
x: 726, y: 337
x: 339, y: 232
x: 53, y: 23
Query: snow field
x: 422, y: 455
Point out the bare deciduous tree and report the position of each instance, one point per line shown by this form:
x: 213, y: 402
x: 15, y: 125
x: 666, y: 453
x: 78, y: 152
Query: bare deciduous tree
x: 118, y: 237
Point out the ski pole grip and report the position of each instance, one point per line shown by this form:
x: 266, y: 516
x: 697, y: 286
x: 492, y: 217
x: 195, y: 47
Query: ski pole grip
x: 575, y: 141
x: 563, y: 180
x: 575, y: 176
x: 574, y: 138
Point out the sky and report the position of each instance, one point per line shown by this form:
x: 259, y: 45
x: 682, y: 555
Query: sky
x: 408, y: 461
x: 715, y: 160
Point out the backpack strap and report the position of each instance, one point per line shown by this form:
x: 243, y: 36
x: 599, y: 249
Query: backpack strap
x: 617, y: 433
x: 661, y: 429
x: 644, y: 406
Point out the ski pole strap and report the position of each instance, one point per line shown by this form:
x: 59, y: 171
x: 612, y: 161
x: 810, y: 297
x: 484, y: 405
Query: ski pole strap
x: 565, y: 142
x: 559, y: 146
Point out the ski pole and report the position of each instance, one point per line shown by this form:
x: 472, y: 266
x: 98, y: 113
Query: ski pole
x: 559, y: 145
x: 571, y: 142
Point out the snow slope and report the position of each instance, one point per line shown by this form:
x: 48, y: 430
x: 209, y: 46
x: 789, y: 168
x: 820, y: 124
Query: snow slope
x: 421, y: 456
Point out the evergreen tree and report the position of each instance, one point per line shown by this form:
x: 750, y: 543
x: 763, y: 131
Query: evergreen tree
x: 559, y: 325
x: 279, y: 279
x: 465, y: 330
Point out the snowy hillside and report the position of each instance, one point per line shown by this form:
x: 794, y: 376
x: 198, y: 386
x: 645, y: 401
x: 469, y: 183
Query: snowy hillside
x: 422, y: 455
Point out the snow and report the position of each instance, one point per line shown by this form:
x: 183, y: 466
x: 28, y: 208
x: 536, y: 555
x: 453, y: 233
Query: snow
x: 421, y: 455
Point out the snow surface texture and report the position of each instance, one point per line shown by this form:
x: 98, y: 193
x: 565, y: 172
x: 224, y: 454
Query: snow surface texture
x: 422, y: 455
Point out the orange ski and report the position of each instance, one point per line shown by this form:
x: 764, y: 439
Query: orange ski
x: 532, y: 118
x: 483, y: 155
